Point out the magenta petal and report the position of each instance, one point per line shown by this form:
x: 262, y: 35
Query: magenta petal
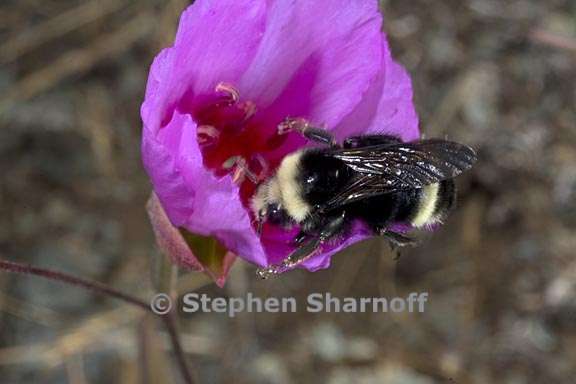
x: 192, y: 196
x: 215, y: 42
x: 317, y: 58
x: 175, y: 195
x: 153, y: 108
x: 386, y: 108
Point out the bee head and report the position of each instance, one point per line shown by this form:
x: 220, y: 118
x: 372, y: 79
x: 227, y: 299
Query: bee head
x: 267, y: 204
x: 304, y: 180
x: 276, y: 214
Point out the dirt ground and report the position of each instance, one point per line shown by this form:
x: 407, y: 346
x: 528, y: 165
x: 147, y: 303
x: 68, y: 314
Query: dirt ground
x: 499, y: 76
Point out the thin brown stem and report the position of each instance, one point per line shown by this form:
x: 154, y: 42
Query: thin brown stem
x: 94, y: 286
x: 170, y: 324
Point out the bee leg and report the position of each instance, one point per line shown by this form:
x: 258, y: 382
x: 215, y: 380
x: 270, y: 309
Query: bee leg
x: 299, y: 239
x: 301, y: 254
x: 310, y: 132
x: 260, y: 221
x: 240, y: 170
x: 398, y: 240
x: 306, y: 249
x: 368, y: 140
x: 320, y: 136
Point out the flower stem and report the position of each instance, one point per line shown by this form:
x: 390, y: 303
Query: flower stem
x: 170, y: 325
x: 94, y: 286
x: 167, y: 320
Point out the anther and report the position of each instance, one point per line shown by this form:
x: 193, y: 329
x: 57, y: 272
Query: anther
x: 249, y: 109
x: 263, y: 167
x: 229, y: 163
x: 241, y: 170
x: 229, y: 90
x: 207, y: 134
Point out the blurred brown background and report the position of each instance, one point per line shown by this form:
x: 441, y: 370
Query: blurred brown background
x: 497, y: 75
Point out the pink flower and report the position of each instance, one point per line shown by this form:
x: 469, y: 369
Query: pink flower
x: 236, y: 70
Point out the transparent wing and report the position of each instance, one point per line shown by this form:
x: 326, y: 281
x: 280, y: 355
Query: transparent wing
x: 387, y: 168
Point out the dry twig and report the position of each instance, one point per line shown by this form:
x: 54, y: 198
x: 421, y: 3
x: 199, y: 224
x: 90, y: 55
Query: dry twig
x: 168, y: 321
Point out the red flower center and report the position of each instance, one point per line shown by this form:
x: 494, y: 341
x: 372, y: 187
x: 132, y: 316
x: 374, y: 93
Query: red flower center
x: 235, y: 140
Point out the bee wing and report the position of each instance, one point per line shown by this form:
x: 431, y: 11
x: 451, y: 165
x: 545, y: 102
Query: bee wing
x: 408, y: 165
x: 387, y: 168
x: 360, y: 188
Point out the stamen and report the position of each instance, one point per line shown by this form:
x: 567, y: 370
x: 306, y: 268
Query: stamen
x: 262, y: 167
x: 229, y: 90
x: 241, y: 170
x: 252, y: 177
x: 249, y: 109
x: 293, y: 124
x: 239, y: 176
x: 228, y: 164
x: 207, y: 134
x: 231, y: 139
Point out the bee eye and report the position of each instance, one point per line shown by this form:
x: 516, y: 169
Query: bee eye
x: 276, y: 215
x: 311, y: 179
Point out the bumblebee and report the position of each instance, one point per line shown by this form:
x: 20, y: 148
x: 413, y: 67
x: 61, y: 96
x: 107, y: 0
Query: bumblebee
x: 376, y: 179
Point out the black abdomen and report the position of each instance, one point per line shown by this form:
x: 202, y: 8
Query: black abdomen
x: 379, y: 212
x: 417, y: 207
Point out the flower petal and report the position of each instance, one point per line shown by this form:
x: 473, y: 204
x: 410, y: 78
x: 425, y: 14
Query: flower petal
x: 215, y: 42
x: 192, y: 196
x: 316, y: 59
x: 387, y: 106
x: 167, y: 180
